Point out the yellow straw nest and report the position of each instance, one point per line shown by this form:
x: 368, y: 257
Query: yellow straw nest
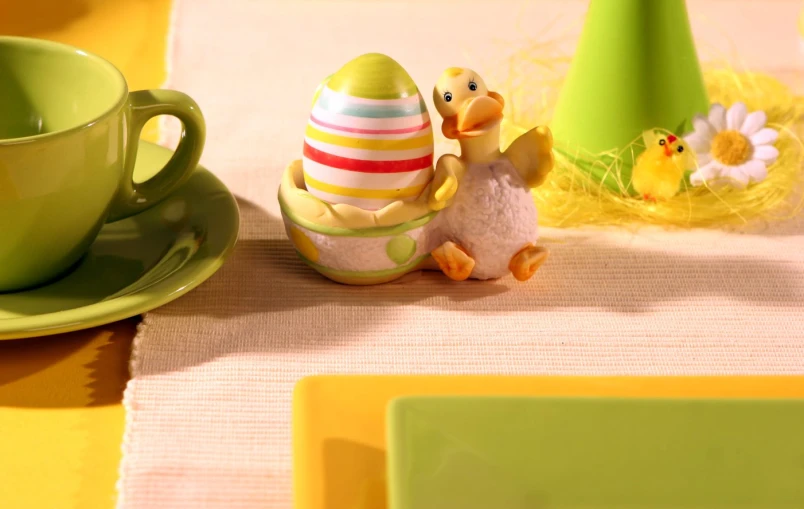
x: 572, y: 198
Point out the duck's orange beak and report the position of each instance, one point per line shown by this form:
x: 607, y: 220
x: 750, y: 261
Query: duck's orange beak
x: 476, y: 116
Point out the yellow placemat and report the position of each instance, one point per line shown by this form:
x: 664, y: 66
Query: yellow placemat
x: 61, y: 418
x: 339, y: 421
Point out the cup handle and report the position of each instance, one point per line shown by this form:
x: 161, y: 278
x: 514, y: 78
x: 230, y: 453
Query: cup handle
x: 143, y: 105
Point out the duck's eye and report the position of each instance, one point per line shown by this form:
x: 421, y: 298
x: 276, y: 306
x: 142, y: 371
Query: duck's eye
x: 447, y: 96
x: 661, y: 142
x: 472, y: 86
x: 680, y: 149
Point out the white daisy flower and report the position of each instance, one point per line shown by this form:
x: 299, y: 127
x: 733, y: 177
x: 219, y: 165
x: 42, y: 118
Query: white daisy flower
x: 733, y: 147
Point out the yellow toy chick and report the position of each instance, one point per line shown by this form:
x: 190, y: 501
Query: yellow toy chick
x: 660, y: 168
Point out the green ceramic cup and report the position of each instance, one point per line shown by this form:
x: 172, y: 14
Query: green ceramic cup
x: 69, y: 131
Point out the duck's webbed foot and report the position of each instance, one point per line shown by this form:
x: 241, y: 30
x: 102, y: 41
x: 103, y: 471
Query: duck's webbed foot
x: 454, y: 261
x: 527, y: 261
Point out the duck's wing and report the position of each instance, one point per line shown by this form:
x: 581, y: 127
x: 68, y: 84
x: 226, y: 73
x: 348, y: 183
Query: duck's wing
x: 532, y: 155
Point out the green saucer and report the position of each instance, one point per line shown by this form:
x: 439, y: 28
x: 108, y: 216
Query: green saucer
x: 136, y: 264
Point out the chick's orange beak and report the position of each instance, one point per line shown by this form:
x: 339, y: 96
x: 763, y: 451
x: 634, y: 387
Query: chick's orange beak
x: 670, y: 140
x: 475, y: 116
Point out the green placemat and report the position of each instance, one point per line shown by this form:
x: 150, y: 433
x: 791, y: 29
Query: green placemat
x: 595, y: 453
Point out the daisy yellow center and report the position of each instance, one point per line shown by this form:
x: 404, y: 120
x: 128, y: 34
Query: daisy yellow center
x: 731, y: 148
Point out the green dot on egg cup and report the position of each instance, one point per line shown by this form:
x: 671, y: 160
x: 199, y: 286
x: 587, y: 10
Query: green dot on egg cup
x: 400, y: 249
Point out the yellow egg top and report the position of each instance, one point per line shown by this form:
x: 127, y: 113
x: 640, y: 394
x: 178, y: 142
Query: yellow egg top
x: 373, y: 76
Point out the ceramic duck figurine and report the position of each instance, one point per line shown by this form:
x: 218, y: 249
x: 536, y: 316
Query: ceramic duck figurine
x: 488, y: 217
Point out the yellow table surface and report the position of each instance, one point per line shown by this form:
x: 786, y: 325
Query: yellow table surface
x: 61, y: 416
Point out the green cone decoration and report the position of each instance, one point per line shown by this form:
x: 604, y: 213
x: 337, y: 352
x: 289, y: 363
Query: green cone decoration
x: 635, y: 68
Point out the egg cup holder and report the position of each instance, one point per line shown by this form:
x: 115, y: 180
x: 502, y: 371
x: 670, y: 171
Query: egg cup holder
x: 351, y: 245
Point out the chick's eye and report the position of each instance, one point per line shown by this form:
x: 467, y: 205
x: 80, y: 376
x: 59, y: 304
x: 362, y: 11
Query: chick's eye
x: 447, y: 96
x: 661, y: 142
x: 680, y: 149
x: 472, y: 86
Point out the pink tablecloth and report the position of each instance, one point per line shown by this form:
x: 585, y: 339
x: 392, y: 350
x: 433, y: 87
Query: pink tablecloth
x: 209, y: 402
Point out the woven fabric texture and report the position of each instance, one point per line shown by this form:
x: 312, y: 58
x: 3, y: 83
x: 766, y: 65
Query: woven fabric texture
x: 209, y: 401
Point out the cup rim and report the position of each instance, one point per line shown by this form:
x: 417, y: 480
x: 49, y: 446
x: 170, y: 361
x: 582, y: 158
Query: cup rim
x: 53, y: 45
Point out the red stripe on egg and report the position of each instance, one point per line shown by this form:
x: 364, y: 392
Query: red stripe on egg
x: 345, y: 163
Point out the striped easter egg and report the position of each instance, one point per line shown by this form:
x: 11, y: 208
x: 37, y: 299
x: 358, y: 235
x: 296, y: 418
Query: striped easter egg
x: 368, y: 141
